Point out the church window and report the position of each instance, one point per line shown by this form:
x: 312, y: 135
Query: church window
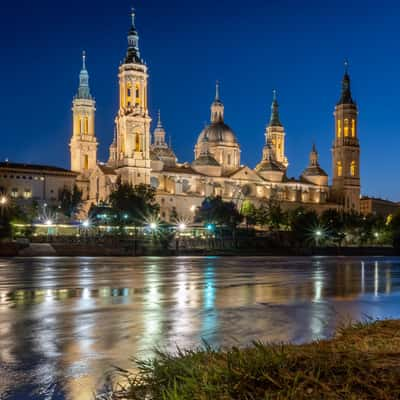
x: 353, y: 128
x: 339, y: 168
x: 229, y: 159
x: 27, y: 193
x: 137, y: 144
x: 339, y: 128
x: 137, y: 94
x: 14, y: 193
x: 346, y: 127
x: 86, y: 125
x: 128, y: 94
x: 353, y: 167
x: 86, y: 162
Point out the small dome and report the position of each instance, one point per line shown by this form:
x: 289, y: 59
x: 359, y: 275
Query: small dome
x: 164, y: 152
x: 269, y: 165
x: 217, y: 132
x: 314, y: 170
x: 206, y: 159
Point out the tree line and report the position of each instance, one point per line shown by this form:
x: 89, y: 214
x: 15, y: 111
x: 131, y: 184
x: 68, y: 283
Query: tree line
x: 137, y: 206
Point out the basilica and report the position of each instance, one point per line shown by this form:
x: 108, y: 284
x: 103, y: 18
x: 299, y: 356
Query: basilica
x: 138, y: 156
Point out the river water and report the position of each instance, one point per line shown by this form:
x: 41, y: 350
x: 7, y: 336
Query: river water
x: 65, y: 321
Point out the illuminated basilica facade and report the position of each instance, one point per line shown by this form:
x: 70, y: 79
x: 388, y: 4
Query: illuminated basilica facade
x: 136, y: 156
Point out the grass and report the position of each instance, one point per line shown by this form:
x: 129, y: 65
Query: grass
x: 361, y: 362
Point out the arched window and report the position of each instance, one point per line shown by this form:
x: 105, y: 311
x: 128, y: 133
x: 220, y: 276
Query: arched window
x: 339, y: 168
x: 353, y: 128
x: 339, y: 129
x: 346, y: 127
x: 229, y: 159
x: 86, y: 162
x: 128, y: 94
x: 353, y: 167
x: 86, y: 125
x: 137, y: 93
x: 137, y: 144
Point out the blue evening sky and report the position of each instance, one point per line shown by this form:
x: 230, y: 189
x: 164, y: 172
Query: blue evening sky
x: 251, y: 47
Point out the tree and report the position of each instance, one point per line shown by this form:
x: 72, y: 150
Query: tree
x: 215, y: 211
x: 134, y: 205
x: 333, y: 225
x: 249, y: 212
x: 394, y: 228
x: 70, y: 201
x: 305, y: 226
x: 14, y: 215
x: 270, y: 214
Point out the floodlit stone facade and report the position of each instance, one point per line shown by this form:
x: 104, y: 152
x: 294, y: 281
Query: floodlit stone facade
x: 137, y: 157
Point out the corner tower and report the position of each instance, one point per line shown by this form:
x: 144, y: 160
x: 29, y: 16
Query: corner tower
x: 83, y: 145
x: 275, y: 133
x: 346, y: 150
x: 133, y: 120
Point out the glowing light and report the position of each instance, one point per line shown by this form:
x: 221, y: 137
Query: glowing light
x: 182, y: 226
x: 153, y: 226
x: 376, y: 234
x: 86, y: 223
x: 125, y: 216
x: 48, y: 222
x: 193, y: 208
x: 210, y: 227
x: 3, y: 200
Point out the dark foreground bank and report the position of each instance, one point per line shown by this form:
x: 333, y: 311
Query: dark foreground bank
x: 361, y: 362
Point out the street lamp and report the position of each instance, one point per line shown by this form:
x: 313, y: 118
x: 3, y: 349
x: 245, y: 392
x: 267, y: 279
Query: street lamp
x: 318, y: 236
x: 153, y: 226
x: 86, y: 223
x: 3, y: 200
x: 182, y: 227
x: 48, y: 222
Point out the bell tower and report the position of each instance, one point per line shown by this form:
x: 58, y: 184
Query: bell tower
x: 275, y: 133
x: 133, y: 120
x: 83, y: 145
x: 346, y: 150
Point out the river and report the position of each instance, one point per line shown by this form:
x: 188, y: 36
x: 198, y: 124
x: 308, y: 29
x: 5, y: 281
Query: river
x: 65, y: 321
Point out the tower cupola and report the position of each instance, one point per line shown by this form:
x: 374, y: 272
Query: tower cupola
x: 133, y: 52
x: 274, y: 120
x: 217, y: 107
x: 84, y: 90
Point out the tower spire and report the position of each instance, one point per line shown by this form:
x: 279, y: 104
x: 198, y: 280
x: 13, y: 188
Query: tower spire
x: 346, y: 97
x: 274, y: 120
x: 217, y: 91
x: 133, y: 53
x: 217, y: 107
x: 159, y: 123
x: 84, y: 90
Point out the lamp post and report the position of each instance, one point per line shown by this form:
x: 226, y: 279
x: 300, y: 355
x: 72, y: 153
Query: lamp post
x: 181, y: 228
x: 3, y: 203
x: 318, y: 236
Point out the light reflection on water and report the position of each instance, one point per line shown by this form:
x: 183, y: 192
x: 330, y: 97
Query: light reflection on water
x: 65, y: 321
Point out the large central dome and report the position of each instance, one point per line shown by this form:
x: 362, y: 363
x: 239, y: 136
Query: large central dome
x: 217, y: 132
x: 218, y: 139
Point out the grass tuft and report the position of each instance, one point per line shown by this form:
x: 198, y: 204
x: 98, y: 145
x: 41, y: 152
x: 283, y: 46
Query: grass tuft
x: 361, y: 362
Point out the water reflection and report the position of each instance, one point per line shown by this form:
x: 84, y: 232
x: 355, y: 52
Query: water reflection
x: 63, y: 322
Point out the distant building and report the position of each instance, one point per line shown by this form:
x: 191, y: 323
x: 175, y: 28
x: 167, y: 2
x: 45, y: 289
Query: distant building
x: 373, y: 206
x: 25, y: 183
x: 136, y: 156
